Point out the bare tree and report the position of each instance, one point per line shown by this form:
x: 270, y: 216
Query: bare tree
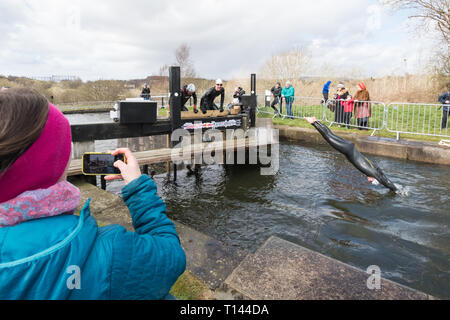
x: 183, y: 59
x: 164, y: 71
x: 436, y: 12
x: 288, y: 65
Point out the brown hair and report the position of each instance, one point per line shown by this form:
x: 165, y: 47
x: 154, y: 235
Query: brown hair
x: 23, y: 114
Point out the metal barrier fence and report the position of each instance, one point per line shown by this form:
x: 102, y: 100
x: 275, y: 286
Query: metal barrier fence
x: 302, y: 107
x: 417, y: 118
x: 364, y: 115
x: 399, y: 118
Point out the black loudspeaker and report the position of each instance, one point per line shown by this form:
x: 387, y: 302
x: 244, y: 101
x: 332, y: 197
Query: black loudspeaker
x: 133, y: 112
x: 247, y: 100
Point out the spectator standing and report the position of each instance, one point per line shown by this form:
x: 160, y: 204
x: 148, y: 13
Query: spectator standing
x: 363, y: 108
x: 325, y: 91
x: 146, y: 92
x: 276, y: 93
x: 445, y: 100
x: 288, y: 93
x: 348, y: 110
x: 340, y: 97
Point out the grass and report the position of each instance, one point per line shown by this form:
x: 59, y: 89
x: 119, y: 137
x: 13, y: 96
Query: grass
x: 413, y: 120
x: 188, y: 287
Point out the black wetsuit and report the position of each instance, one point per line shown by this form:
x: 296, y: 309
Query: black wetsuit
x: 185, y: 96
x: 207, y: 101
x: 354, y: 156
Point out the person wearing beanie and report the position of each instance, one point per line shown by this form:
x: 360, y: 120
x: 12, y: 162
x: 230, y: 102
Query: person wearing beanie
x: 362, y: 106
x: 340, y: 98
x: 48, y: 252
x: 288, y: 93
x: 207, y: 100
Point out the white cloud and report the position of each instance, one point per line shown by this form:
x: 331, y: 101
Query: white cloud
x: 119, y: 39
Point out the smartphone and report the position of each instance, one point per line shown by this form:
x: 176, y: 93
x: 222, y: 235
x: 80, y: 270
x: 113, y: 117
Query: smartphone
x: 97, y: 163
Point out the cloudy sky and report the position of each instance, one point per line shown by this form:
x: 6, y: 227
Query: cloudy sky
x: 118, y: 39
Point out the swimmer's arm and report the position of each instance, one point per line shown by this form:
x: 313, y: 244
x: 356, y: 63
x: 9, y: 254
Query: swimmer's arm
x: 336, y: 142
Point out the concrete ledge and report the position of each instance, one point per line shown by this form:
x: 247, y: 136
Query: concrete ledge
x: 207, y: 258
x: 403, y: 149
x: 281, y: 270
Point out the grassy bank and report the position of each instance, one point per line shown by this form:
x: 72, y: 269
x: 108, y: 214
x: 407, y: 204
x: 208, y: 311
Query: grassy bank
x: 189, y: 287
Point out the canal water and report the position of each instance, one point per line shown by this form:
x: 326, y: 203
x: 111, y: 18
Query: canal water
x: 319, y: 201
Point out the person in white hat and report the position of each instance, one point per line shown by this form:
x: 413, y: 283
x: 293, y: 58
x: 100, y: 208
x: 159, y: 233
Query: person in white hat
x: 207, y: 100
x: 187, y: 92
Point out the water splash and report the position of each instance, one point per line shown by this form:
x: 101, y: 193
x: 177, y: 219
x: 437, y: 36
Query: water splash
x: 402, y: 190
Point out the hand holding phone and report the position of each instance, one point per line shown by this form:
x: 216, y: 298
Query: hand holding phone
x: 97, y: 163
x: 129, y: 171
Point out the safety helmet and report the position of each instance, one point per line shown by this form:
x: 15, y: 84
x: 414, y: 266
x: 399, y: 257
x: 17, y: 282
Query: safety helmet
x: 191, y: 87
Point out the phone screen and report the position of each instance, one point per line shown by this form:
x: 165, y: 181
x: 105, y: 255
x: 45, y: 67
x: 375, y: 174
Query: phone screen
x: 100, y: 164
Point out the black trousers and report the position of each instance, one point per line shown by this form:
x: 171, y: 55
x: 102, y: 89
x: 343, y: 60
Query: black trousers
x: 279, y: 101
x: 347, y: 117
x: 445, y: 114
x: 325, y: 97
x: 339, y: 113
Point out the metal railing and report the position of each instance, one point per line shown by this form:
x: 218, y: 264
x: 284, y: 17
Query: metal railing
x: 399, y: 118
x: 364, y: 115
x: 417, y: 118
x: 302, y: 107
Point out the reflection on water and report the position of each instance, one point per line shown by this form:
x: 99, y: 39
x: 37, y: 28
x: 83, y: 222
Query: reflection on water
x: 320, y: 201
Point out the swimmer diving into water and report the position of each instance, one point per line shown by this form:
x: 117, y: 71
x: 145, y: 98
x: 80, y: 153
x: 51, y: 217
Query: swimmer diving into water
x: 353, y: 155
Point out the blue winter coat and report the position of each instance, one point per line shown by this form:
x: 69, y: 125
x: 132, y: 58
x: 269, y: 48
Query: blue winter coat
x: 326, y: 87
x: 39, y: 258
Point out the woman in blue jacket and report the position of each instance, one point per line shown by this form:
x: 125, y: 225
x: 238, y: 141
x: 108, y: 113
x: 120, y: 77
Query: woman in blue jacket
x: 288, y: 93
x: 47, y: 252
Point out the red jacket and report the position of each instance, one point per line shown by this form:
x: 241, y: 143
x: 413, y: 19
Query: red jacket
x: 348, y: 105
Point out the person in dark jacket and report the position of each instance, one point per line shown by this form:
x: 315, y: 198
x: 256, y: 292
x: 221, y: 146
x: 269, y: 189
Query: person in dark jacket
x: 340, y: 97
x: 276, y: 93
x: 50, y: 253
x: 325, y: 91
x: 237, y: 98
x: 146, y: 92
x: 207, y: 100
x: 187, y: 92
x: 348, y: 149
x: 445, y: 100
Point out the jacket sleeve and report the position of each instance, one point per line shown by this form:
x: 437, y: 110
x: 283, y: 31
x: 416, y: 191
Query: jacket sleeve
x: 147, y: 262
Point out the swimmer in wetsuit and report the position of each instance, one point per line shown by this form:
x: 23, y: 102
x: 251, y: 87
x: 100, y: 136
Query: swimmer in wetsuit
x: 353, y: 155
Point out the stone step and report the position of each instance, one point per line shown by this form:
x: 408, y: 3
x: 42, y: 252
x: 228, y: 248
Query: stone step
x: 281, y: 270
